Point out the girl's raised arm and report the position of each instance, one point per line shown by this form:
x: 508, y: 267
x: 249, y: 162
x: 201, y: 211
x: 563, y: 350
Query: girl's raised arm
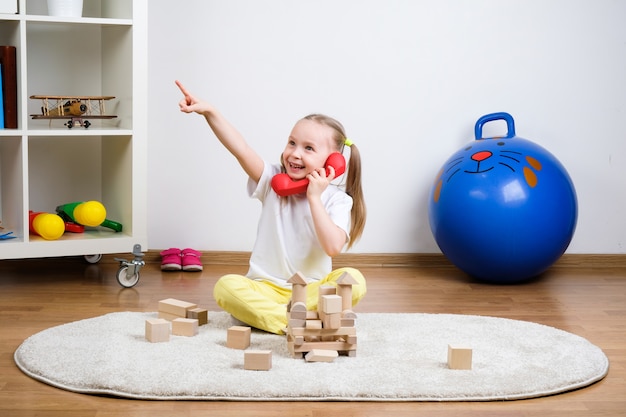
x: 230, y: 137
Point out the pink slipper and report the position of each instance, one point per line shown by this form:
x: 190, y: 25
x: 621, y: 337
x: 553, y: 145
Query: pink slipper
x: 171, y: 260
x: 191, y: 260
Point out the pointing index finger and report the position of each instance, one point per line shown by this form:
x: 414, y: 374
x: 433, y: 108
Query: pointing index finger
x: 182, y: 88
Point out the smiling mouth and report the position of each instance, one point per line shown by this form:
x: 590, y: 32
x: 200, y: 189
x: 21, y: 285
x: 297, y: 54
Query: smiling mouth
x: 295, y: 167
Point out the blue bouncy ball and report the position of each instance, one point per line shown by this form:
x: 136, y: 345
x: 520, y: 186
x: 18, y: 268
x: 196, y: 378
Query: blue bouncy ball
x: 503, y: 209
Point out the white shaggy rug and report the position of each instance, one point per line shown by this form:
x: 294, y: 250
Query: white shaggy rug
x: 400, y: 357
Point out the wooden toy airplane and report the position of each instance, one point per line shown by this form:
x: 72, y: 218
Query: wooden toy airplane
x: 73, y: 108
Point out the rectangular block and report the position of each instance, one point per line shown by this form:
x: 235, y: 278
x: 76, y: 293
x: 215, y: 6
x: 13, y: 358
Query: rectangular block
x: 157, y: 330
x: 200, y: 314
x: 257, y: 360
x: 168, y: 316
x: 342, y: 331
x: 327, y: 290
x: 184, y: 327
x: 238, y: 337
x: 459, y: 357
x: 176, y: 307
x: 347, y: 322
x: 338, y: 346
x: 330, y: 304
x: 321, y: 355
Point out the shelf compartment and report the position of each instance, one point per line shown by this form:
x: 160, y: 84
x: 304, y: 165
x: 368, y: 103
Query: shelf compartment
x: 105, y: 9
x: 80, y: 60
x: 82, y: 168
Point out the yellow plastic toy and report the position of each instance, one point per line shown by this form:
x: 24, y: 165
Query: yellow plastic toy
x: 47, y: 225
x: 88, y: 213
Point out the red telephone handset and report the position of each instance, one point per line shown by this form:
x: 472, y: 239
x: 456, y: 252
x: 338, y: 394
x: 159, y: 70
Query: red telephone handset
x: 283, y: 185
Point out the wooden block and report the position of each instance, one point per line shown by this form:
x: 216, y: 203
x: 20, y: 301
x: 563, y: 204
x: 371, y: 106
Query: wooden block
x: 312, y: 315
x: 297, y: 315
x: 200, y: 314
x: 330, y: 304
x: 238, y: 337
x: 168, y: 316
x: 327, y: 290
x: 157, y: 330
x: 298, y: 306
x: 298, y: 311
x: 342, y: 331
x: 321, y: 355
x: 257, y: 360
x: 348, y: 314
x: 338, y: 346
x: 298, y: 287
x: 295, y: 323
x: 345, y: 322
x: 313, y: 324
x: 185, y: 327
x: 176, y: 307
x: 346, y: 279
x: 344, y: 289
x: 459, y: 357
x: 331, y: 321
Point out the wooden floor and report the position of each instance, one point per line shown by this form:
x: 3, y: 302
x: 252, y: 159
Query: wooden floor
x: 37, y: 294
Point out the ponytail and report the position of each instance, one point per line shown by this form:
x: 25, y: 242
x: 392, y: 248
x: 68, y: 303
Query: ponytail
x: 354, y: 190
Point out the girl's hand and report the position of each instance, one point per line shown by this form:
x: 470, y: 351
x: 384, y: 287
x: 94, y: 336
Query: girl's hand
x: 318, y: 181
x: 190, y: 104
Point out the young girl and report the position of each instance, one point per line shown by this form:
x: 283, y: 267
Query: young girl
x: 296, y: 233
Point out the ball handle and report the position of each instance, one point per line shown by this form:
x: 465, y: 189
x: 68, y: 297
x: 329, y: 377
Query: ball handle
x: 510, y: 124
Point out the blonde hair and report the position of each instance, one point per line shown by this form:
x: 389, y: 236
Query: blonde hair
x: 353, y: 177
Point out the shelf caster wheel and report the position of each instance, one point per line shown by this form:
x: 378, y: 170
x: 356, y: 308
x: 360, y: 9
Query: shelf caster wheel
x: 128, y: 274
x: 126, y: 278
x: 93, y: 259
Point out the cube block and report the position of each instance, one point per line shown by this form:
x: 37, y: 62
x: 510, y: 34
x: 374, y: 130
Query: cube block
x: 238, y: 337
x: 331, y: 304
x: 157, y: 330
x: 459, y: 357
x: 257, y: 360
x: 200, y: 314
x: 184, y: 327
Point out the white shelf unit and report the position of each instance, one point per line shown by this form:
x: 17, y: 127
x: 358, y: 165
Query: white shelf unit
x: 43, y: 163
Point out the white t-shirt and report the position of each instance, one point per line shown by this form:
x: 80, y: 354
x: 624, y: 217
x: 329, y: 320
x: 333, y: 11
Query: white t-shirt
x: 286, y: 241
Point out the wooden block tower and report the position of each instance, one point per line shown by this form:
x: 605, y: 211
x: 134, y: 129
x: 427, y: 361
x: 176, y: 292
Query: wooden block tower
x: 328, y: 331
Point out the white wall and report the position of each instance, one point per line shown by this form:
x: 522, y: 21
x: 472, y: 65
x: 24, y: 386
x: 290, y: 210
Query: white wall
x: 408, y: 78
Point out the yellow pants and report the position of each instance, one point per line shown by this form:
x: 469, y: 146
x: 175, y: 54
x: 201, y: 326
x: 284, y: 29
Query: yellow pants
x: 263, y: 305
